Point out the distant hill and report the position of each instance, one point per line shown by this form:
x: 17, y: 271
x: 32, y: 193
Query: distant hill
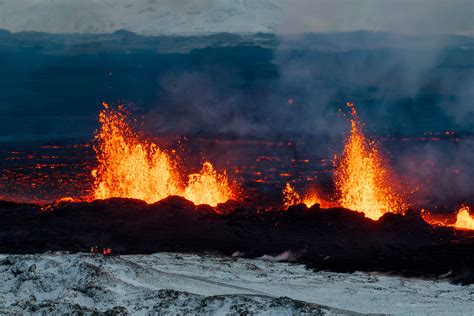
x: 124, y: 41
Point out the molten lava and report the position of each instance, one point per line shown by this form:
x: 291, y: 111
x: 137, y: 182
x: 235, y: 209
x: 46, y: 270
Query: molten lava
x: 361, y: 177
x: 130, y: 167
x: 435, y: 220
x: 291, y: 197
x: 208, y: 187
x: 464, y: 220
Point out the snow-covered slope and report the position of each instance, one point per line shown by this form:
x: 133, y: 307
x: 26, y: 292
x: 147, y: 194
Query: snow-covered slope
x: 181, y: 283
x: 148, y: 17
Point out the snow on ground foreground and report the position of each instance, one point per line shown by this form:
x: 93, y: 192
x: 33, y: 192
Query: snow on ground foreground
x: 185, y: 283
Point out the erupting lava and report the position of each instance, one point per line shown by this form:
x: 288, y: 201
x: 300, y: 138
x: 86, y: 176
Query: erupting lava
x: 134, y: 168
x: 291, y: 197
x: 464, y: 219
x: 128, y: 167
x: 361, y: 177
x: 208, y: 187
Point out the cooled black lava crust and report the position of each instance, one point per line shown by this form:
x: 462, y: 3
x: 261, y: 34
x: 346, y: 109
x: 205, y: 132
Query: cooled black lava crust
x: 328, y: 239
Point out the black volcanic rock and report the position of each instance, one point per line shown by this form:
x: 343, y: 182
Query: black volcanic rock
x: 331, y: 239
x: 174, y: 202
x: 411, y: 220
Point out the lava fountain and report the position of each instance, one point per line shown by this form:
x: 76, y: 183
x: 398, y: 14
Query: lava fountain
x: 291, y: 197
x: 130, y: 167
x: 208, y: 186
x: 464, y: 219
x: 362, y: 179
x: 310, y: 198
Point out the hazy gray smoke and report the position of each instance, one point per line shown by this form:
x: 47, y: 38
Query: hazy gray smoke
x: 199, y: 102
x: 443, y: 172
x: 461, y: 111
x: 402, y: 88
x: 407, y: 72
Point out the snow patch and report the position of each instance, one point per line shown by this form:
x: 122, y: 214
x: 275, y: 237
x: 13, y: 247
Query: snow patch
x: 287, y: 255
x: 204, y: 284
x: 146, y: 17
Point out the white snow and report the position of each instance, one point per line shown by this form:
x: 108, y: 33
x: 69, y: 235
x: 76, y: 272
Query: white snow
x: 64, y: 282
x: 147, y: 17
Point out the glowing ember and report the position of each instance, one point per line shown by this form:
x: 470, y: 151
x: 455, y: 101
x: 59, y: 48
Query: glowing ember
x: 291, y: 197
x: 464, y: 219
x: 133, y: 168
x: 362, y: 180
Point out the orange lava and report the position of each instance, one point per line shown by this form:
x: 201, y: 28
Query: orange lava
x: 464, y: 220
x: 58, y: 202
x: 362, y: 179
x: 435, y: 220
x: 131, y: 167
x: 208, y: 186
x: 291, y: 197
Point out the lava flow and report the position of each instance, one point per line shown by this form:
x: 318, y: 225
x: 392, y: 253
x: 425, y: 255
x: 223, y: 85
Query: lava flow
x: 361, y: 176
x: 133, y: 168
